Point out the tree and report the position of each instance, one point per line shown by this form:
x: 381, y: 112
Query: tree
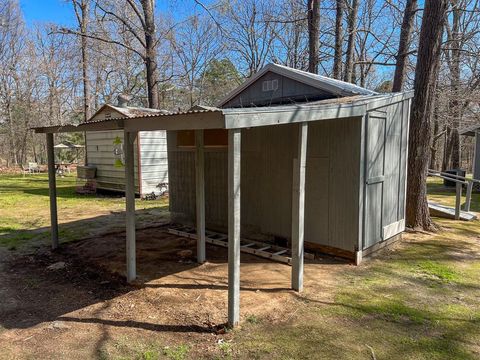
x: 417, y: 213
x: 404, y: 44
x: 338, y: 52
x: 352, y: 31
x: 139, y: 20
x: 313, y: 12
x: 218, y: 79
x: 82, y: 10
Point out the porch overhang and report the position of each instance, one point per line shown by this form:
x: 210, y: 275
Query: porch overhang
x: 238, y: 118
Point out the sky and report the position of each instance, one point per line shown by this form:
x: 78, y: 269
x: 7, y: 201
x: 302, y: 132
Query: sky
x: 56, y: 11
x: 61, y: 11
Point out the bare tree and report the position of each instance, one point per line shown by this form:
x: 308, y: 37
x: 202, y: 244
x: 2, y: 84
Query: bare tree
x: 313, y: 11
x: 338, y: 55
x: 404, y: 44
x: 352, y: 31
x: 82, y: 10
x: 428, y: 59
x: 138, y: 18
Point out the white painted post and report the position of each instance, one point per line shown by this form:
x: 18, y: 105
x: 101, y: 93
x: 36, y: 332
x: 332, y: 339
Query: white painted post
x: 458, y: 200
x: 52, y: 190
x: 298, y: 208
x: 468, y: 196
x: 200, y: 194
x: 234, y: 157
x: 128, y: 149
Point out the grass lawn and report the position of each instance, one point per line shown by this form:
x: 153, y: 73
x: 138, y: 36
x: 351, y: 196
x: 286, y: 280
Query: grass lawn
x: 25, y: 212
x: 418, y: 300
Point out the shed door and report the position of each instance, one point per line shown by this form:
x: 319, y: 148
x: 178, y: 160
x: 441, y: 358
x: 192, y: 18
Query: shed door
x: 375, y: 176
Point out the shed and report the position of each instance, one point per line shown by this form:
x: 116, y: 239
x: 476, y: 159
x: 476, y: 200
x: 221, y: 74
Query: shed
x: 151, y: 165
x: 354, y: 166
x: 328, y: 168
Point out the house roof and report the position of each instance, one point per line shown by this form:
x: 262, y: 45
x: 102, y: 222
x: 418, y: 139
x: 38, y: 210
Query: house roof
x: 470, y: 131
x: 236, y: 118
x: 336, y: 87
x: 129, y: 111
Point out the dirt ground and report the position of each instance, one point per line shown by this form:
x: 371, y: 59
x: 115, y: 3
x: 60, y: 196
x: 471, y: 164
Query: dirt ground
x: 86, y: 310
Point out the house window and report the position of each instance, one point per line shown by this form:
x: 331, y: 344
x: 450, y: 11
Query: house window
x: 270, y: 85
x: 212, y: 138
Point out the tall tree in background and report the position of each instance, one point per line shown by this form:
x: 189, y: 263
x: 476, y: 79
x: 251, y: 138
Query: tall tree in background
x: 404, y: 44
x: 313, y: 34
x: 138, y: 18
x: 352, y: 31
x: 417, y: 213
x: 338, y: 52
x: 82, y: 10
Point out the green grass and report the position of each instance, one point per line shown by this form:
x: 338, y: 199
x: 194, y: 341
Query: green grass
x: 420, y: 301
x: 438, y: 193
x: 25, y: 214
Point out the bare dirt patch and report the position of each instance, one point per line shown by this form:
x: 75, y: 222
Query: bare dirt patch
x: 81, y: 307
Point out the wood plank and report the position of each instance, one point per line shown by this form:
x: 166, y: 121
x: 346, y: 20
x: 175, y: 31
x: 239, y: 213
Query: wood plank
x: 52, y: 190
x: 298, y: 208
x: 200, y: 194
x: 130, y: 205
x: 234, y: 161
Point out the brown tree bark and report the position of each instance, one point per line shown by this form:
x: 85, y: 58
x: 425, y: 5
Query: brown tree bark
x: 420, y: 133
x: 148, y: 7
x: 337, y: 58
x: 352, y: 31
x: 82, y: 8
x: 313, y: 34
x: 453, y: 54
x: 405, y: 35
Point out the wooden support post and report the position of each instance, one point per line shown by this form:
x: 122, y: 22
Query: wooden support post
x: 468, y: 196
x: 52, y: 189
x: 298, y: 208
x: 234, y: 157
x: 458, y: 200
x: 361, y: 191
x: 200, y: 194
x: 128, y: 149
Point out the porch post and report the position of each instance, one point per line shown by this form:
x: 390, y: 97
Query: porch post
x: 298, y: 208
x: 234, y: 157
x: 129, y: 139
x: 200, y: 194
x: 52, y: 189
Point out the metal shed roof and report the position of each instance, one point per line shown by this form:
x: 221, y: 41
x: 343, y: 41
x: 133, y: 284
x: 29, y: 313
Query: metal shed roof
x: 336, y: 87
x: 470, y: 131
x: 215, y: 118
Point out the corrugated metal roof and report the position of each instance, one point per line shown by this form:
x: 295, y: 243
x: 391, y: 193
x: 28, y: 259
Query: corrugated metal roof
x: 336, y: 87
x: 346, y: 86
x: 469, y: 131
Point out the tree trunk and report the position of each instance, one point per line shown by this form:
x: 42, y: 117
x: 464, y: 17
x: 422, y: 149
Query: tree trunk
x: 420, y: 133
x: 352, y: 31
x: 313, y: 34
x: 82, y: 9
x: 148, y: 7
x: 405, y: 35
x: 454, y: 104
x: 337, y: 59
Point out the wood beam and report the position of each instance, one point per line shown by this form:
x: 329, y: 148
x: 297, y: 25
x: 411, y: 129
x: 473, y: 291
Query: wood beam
x: 361, y: 190
x: 200, y: 194
x: 52, y: 189
x: 298, y: 208
x: 234, y: 158
x: 128, y: 148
